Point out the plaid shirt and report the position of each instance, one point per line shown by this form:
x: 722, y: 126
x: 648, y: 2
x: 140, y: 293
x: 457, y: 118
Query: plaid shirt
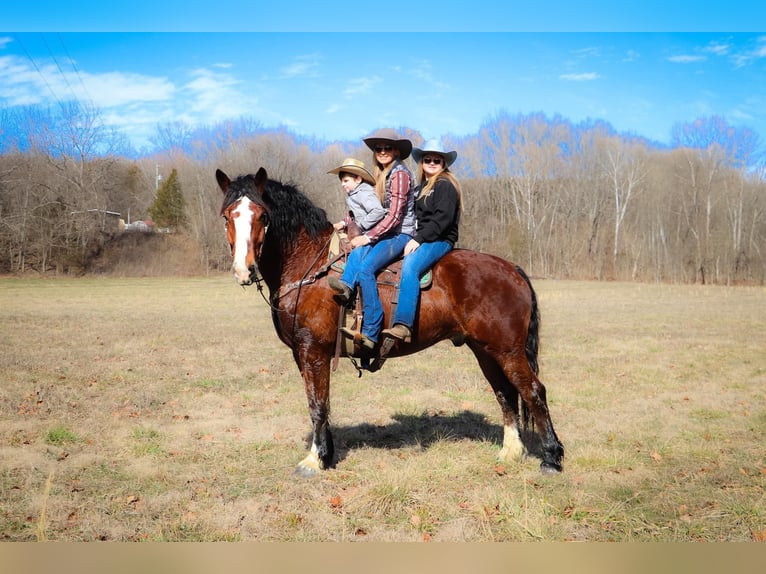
x: 400, y: 201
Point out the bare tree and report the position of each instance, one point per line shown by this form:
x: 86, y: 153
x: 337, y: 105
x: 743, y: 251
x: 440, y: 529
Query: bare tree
x: 624, y: 166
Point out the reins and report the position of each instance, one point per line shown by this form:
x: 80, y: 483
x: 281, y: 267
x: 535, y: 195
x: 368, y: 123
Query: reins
x: 305, y: 280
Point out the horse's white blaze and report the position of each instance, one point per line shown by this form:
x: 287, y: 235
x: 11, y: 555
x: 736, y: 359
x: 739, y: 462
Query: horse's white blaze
x: 513, y: 448
x: 243, y: 226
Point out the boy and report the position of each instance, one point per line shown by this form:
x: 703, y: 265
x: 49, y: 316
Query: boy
x: 362, y: 201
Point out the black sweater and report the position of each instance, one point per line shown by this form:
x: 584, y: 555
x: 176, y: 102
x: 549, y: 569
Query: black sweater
x: 438, y: 215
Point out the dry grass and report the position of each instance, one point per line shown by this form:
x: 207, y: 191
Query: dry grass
x: 167, y: 409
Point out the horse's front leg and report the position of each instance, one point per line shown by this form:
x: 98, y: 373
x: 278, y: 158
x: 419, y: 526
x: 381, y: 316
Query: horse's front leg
x: 316, y: 378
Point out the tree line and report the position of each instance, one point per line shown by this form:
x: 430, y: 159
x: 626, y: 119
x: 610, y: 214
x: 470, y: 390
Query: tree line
x: 563, y: 200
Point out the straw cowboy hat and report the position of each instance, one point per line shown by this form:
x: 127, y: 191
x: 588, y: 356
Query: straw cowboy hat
x: 434, y: 146
x: 389, y: 136
x: 355, y: 167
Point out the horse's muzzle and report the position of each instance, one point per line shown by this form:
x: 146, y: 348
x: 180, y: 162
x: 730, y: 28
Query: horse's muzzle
x: 244, y: 276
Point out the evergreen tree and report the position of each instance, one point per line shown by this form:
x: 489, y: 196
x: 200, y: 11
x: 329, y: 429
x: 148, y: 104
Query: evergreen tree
x: 168, y: 209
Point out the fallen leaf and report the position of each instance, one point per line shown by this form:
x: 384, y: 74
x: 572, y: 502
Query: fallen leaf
x: 759, y: 535
x: 500, y: 469
x: 336, y: 501
x: 656, y: 457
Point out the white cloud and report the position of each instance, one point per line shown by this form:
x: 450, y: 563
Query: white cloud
x: 119, y: 88
x: 585, y: 77
x: 20, y: 84
x: 303, y: 66
x: 359, y: 86
x: 718, y: 49
x: 747, y: 57
x: 5, y: 40
x: 686, y: 59
x: 214, y: 96
x: 591, y: 52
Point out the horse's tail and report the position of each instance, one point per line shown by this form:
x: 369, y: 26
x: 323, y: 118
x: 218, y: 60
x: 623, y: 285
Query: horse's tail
x: 532, y: 345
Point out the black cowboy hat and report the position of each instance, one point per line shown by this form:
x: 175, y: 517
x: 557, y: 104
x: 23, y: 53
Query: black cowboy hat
x: 389, y: 136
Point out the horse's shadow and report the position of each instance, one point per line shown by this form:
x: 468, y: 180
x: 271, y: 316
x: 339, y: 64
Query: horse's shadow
x: 424, y: 430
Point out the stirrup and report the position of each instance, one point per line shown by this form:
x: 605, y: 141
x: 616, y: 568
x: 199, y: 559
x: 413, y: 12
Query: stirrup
x: 359, y: 337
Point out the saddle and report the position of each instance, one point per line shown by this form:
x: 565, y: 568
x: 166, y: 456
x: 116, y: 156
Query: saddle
x: 351, y: 313
x: 340, y: 247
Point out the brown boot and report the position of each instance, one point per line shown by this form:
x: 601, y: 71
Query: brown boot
x: 359, y: 337
x: 399, y: 331
x: 342, y: 291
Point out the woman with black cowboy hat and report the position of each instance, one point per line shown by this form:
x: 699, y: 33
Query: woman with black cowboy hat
x: 437, y: 208
x: 380, y: 245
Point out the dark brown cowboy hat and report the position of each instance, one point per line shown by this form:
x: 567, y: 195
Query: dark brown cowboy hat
x: 389, y: 136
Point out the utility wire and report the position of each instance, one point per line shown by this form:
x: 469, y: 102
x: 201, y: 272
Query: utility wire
x: 55, y: 61
x: 74, y: 67
x: 31, y: 59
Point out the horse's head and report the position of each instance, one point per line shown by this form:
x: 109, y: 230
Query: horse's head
x: 247, y: 219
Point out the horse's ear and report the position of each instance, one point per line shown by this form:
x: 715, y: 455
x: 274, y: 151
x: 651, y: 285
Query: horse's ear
x: 223, y: 180
x: 260, y: 180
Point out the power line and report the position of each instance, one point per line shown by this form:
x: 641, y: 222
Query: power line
x: 18, y: 39
x: 55, y: 61
x: 74, y: 67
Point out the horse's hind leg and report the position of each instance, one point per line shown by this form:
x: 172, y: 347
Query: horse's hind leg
x: 513, y: 449
x: 532, y: 392
x: 316, y: 378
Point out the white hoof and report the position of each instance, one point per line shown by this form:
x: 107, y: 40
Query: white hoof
x: 309, y: 466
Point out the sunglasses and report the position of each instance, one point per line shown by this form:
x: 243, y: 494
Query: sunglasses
x: 382, y: 148
x: 433, y: 160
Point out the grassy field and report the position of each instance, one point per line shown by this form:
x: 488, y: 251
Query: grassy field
x: 167, y: 410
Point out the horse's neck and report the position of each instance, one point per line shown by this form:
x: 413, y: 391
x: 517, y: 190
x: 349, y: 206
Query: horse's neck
x: 282, y: 264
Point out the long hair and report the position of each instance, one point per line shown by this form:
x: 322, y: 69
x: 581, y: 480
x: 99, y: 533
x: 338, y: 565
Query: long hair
x: 428, y: 188
x: 380, y: 173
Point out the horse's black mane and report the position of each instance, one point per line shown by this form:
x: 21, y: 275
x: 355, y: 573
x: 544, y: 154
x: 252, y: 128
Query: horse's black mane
x: 289, y: 209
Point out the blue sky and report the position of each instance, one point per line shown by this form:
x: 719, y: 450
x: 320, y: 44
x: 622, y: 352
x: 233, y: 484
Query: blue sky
x: 340, y: 72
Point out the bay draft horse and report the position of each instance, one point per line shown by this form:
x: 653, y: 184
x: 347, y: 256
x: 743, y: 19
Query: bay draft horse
x: 475, y: 299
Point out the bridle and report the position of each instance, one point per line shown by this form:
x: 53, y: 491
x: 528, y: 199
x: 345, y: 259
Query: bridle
x: 307, y: 279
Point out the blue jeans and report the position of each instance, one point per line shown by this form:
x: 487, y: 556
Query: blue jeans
x: 362, y: 268
x: 413, y: 267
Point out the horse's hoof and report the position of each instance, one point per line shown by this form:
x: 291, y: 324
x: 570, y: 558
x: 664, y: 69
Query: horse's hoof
x: 550, y: 468
x: 305, y: 472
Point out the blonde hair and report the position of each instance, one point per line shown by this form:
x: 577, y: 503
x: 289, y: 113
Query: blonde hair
x: 445, y: 173
x: 381, y: 174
